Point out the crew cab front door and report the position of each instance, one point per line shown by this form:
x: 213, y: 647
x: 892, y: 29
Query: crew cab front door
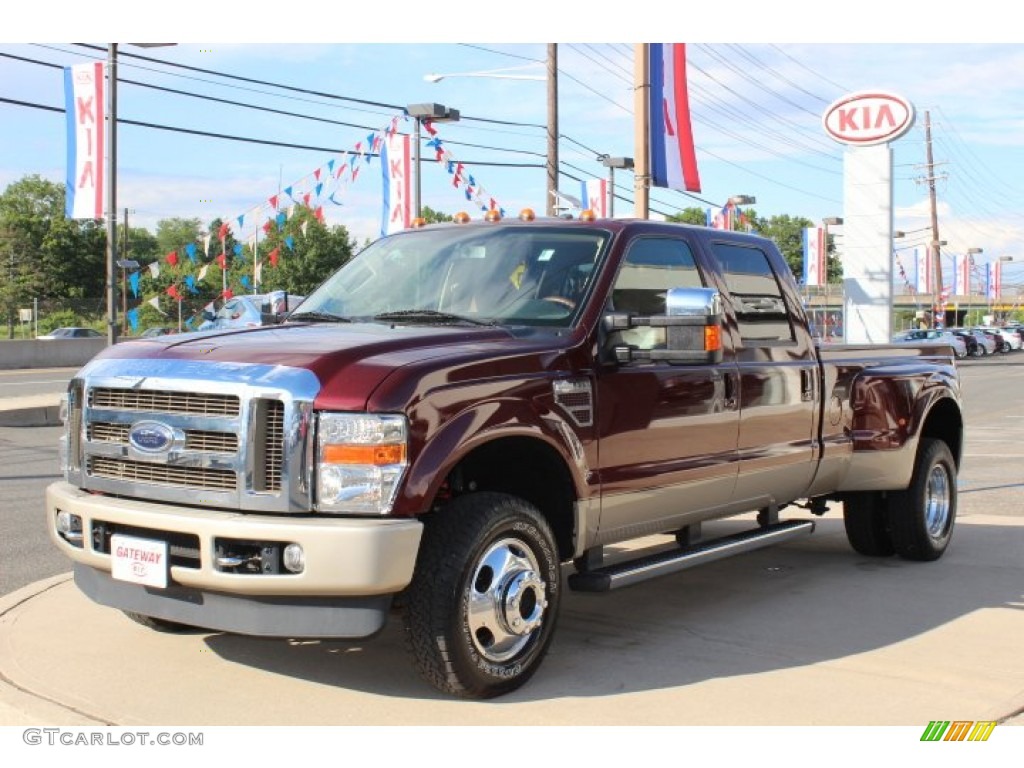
x: 667, y: 433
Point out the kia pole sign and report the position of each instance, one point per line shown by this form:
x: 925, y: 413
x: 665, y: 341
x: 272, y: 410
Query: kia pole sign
x: 868, y: 117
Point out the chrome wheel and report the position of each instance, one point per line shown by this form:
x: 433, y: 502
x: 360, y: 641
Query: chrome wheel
x: 921, y: 517
x: 937, y: 502
x: 506, y: 600
x: 483, y: 603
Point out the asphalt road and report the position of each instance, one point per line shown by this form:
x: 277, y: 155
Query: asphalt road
x: 34, y: 381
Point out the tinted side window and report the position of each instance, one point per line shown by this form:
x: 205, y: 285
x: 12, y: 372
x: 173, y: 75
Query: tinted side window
x: 652, y: 265
x: 757, y: 296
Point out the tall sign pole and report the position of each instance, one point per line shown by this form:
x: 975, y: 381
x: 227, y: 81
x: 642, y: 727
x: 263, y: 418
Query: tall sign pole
x: 937, y: 306
x: 642, y: 130
x: 866, y: 122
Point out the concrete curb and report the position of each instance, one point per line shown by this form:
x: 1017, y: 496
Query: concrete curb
x: 22, y: 707
x: 32, y: 411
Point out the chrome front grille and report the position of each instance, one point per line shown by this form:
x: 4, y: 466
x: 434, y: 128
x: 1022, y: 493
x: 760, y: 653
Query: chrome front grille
x: 195, y: 439
x: 161, y: 474
x: 270, y: 439
x: 149, y: 401
x: 225, y: 436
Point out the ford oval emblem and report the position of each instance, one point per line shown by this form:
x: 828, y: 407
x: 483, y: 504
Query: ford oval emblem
x: 150, y: 437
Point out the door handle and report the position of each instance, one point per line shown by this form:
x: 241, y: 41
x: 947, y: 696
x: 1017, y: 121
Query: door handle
x: 806, y: 385
x: 729, y: 391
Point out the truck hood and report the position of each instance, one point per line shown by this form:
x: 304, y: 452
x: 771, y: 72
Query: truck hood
x: 350, y: 361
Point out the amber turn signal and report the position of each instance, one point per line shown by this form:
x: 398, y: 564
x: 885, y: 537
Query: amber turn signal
x: 712, y: 338
x: 375, y: 455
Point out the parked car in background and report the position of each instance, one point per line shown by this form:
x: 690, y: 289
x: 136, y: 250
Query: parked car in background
x: 152, y: 333
x: 1001, y: 344
x: 938, y: 335
x: 251, y: 311
x: 983, y: 345
x: 72, y: 332
x: 1011, y: 338
x: 974, y: 348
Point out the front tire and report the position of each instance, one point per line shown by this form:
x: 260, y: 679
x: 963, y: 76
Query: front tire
x: 921, y: 517
x: 866, y: 517
x: 481, y: 609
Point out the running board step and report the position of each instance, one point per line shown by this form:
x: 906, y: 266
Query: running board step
x: 632, y: 571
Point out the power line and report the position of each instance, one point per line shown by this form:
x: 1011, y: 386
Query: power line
x: 251, y: 140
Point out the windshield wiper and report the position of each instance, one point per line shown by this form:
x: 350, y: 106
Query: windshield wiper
x: 319, y: 317
x: 430, y: 316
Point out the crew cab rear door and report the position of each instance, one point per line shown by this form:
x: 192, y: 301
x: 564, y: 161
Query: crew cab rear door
x: 667, y: 432
x: 778, y: 376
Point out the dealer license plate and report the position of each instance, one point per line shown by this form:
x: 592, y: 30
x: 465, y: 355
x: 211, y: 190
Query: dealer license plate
x: 140, y: 561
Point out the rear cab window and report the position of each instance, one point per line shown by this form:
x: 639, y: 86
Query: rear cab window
x: 761, y: 313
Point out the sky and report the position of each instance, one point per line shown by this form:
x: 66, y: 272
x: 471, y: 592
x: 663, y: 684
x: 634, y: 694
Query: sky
x: 758, y: 85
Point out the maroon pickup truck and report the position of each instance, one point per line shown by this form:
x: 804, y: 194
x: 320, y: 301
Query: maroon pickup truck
x: 463, y: 413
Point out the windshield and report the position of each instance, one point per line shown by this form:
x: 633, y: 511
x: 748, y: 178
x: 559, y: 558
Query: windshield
x: 525, y: 275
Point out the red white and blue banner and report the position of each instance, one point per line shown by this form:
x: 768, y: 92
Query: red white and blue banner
x: 84, y: 110
x: 814, y: 256
x: 922, y: 270
x: 396, y: 170
x: 961, y: 275
x: 994, y: 280
x: 595, y: 196
x: 673, y: 158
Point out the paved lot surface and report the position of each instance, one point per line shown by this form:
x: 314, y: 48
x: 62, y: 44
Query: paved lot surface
x: 807, y: 633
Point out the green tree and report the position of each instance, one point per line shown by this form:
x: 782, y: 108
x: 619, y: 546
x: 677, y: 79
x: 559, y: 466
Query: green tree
x: 308, y: 252
x: 174, y: 234
x: 433, y: 217
x: 47, y: 254
x: 690, y: 216
x: 788, y: 233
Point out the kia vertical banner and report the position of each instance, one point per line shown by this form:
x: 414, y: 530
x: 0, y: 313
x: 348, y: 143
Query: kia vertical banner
x: 814, y: 256
x: 396, y: 170
x: 83, y: 98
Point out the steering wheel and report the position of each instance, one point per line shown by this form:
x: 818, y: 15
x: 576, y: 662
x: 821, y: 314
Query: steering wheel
x: 560, y: 300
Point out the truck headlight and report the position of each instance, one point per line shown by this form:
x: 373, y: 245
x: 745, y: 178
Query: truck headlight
x: 361, y: 458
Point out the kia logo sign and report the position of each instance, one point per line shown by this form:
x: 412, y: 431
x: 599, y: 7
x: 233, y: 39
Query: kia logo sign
x: 869, y: 117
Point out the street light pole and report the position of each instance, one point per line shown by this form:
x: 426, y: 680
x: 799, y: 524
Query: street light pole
x: 417, y: 194
x: 611, y: 163
x: 970, y: 272
x: 436, y: 113
x: 834, y: 221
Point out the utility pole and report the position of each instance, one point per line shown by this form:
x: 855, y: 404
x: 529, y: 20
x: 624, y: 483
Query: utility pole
x: 124, y: 279
x: 111, y: 174
x: 552, y: 160
x: 936, y: 256
x: 641, y: 130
